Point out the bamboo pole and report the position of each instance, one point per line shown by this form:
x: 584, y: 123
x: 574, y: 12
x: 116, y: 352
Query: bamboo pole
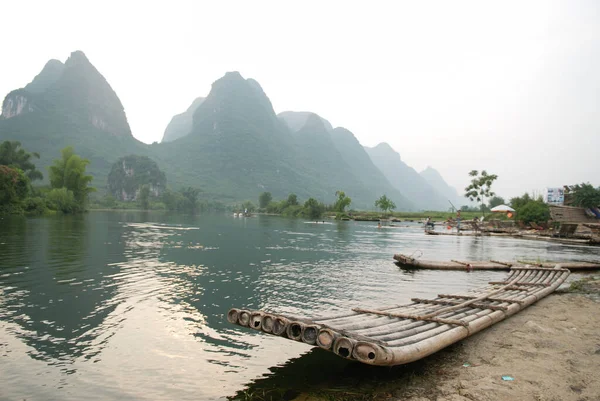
x: 409, y: 316
x: 448, y: 302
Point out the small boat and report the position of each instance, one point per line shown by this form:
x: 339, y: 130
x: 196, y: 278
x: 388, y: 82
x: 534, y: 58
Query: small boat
x: 411, y: 262
x: 400, y: 334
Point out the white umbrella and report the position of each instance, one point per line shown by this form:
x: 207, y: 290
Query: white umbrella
x: 502, y: 209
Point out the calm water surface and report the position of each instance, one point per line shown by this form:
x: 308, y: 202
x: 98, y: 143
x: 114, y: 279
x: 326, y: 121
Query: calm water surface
x: 131, y: 306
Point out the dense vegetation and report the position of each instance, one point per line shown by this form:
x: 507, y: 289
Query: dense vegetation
x: 69, y: 184
x: 530, y: 210
x: 582, y: 195
x: 312, y: 208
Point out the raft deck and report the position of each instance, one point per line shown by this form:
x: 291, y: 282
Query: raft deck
x: 407, y: 261
x: 401, y: 334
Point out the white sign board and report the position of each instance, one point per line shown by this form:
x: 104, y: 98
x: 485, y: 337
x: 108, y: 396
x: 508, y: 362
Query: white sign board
x: 554, y: 196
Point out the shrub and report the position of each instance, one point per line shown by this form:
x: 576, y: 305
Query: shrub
x: 35, y: 206
x: 534, y: 211
x: 63, y: 200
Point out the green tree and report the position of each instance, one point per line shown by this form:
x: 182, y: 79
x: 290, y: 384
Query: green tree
x: 248, y: 206
x: 264, y: 199
x: 496, y: 201
x: 313, y: 209
x: 519, y: 201
x: 534, y: 211
x: 583, y: 195
x: 189, y: 203
x: 69, y: 172
x: 13, y: 155
x: 144, y: 197
x: 384, y: 203
x: 292, y: 200
x: 63, y: 200
x: 480, y: 187
x: 341, y: 202
x: 14, y: 188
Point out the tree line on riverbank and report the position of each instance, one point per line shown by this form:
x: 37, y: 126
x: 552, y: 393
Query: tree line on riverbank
x: 69, y: 187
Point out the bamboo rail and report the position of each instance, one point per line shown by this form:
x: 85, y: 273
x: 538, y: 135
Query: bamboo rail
x: 400, y: 334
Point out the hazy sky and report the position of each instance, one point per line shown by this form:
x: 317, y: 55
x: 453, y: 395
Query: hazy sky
x: 511, y: 87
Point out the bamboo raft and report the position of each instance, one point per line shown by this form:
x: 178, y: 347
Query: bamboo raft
x: 410, y: 262
x: 533, y: 237
x: 400, y: 334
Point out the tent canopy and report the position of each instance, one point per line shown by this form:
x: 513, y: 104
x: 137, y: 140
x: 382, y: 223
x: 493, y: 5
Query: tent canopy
x: 502, y: 209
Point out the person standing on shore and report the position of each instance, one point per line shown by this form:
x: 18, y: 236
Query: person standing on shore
x: 458, y: 221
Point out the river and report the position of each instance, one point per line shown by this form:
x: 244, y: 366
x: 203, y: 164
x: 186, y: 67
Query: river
x: 132, y: 305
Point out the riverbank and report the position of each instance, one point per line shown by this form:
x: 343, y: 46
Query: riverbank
x: 551, y: 350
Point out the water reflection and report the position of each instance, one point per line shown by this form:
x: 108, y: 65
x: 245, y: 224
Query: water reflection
x: 131, y: 305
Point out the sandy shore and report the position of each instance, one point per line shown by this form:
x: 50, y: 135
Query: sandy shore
x: 551, y: 350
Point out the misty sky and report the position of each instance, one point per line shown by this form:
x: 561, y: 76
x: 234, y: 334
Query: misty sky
x: 511, y: 87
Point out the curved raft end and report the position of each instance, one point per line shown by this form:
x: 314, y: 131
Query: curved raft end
x: 294, y: 331
x: 326, y: 338
x: 267, y: 323
x: 280, y: 325
x: 256, y: 320
x: 232, y: 315
x: 244, y: 318
x: 310, y: 334
x: 343, y: 346
x: 372, y: 354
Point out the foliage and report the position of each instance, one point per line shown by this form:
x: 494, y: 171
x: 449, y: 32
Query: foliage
x: 480, y: 187
x: 186, y: 200
x: 35, y: 206
x: 109, y: 201
x: 292, y: 200
x: 465, y: 208
x: 264, y: 199
x: 519, y: 201
x: 248, y: 206
x: 582, y: 195
x: 14, y: 188
x: 341, y: 202
x: 63, y: 200
x: 495, y: 201
x: 13, y: 155
x: 534, y: 211
x: 385, y: 204
x: 130, y: 173
x: 144, y: 197
x: 69, y: 172
x: 313, y: 209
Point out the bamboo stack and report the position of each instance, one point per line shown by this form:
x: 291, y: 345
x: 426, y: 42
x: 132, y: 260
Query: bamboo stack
x: 400, y: 334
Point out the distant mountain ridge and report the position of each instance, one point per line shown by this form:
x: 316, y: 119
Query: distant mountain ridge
x: 181, y: 124
x: 434, y: 178
x: 295, y: 120
x: 69, y: 104
x: 231, y: 143
x: 406, y: 179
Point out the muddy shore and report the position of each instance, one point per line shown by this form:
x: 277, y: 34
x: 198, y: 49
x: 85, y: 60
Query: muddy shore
x: 551, y: 351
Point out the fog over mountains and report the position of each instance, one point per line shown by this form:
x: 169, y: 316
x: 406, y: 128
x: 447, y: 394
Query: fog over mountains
x: 229, y: 142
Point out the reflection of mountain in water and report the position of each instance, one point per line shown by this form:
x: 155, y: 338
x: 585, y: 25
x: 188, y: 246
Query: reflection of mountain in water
x: 64, y: 294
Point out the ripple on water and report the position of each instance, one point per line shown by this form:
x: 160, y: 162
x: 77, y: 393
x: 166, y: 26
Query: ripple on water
x: 113, y: 306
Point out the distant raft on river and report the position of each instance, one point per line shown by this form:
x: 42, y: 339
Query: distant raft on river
x: 400, y: 334
x: 416, y: 263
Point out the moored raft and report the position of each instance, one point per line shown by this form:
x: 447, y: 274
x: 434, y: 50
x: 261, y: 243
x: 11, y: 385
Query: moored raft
x: 410, y: 262
x: 401, y: 334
